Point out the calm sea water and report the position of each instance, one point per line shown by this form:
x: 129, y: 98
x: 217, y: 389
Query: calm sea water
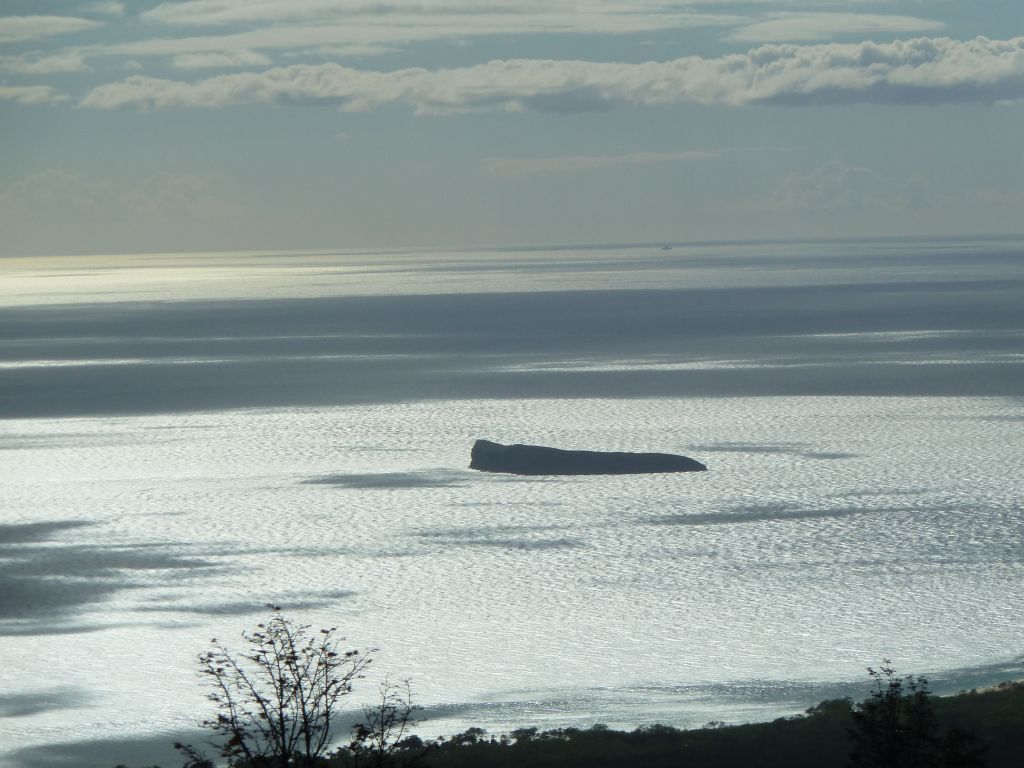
x: 184, y: 438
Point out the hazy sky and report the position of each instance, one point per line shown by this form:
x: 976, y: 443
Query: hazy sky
x: 262, y: 124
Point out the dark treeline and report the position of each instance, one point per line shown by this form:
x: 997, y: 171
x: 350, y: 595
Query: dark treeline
x: 277, y: 705
x: 987, y: 729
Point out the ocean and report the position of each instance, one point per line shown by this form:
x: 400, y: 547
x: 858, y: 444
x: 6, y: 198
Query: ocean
x: 185, y: 438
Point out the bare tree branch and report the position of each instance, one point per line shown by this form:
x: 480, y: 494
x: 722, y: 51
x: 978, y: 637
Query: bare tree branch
x: 276, y: 702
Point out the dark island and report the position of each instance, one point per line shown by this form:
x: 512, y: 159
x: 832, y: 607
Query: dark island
x: 540, y: 460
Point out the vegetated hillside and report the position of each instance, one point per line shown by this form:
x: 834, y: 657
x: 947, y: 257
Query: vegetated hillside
x: 276, y: 706
x: 820, y: 739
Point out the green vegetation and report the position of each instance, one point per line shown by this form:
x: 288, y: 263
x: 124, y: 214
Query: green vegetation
x: 973, y: 729
x: 896, y: 727
x: 277, y: 701
x: 276, y: 707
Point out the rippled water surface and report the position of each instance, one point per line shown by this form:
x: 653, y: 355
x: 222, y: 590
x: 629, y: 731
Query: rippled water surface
x: 185, y: 438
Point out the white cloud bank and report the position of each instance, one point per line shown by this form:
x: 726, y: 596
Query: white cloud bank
x: 204, y: 13
x: 922, y: 70
x: 65, y: 61
x: 384, y: 31
x: 16, y: 29
x: 30, y: 94
x: 248, y: 32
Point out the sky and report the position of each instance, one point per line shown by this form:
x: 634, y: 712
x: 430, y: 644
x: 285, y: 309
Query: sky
x: 193, y: 125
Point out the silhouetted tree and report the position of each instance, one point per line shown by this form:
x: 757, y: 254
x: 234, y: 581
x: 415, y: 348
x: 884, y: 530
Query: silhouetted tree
x: 277, y: 700
x: 383, y: 732
x: 896, y: 727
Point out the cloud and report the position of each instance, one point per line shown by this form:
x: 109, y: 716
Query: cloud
x: 31, y: 94
x: 824, y: 26
x: 66, y: 61
x: 838, y: 187
x: 204, y: 13
x: 16, y: 29
x: 572, y: 163
x: 354, y: 28
x: 220, y: 60
x: 351, y: 28
x: 410, y: 25
x: 355, y: 35
x: 922, y: 70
